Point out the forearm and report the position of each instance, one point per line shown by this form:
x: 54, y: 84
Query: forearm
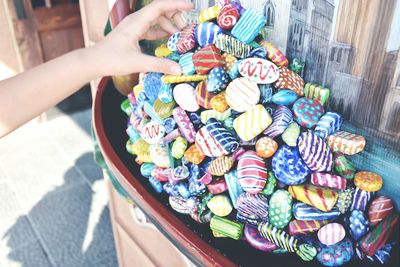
x: 27, y: 95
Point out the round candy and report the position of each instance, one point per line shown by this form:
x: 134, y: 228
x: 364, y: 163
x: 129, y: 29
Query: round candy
x: 185, y: 97
x: 252, y: 172
x: 227, y: 16
x: 358, y: 224
x: 160, y: 155
x: 266, y: 147
x: 379, y: 208
x: 280, y: 208
x: 220, y: 205
x: 218, y: 102
x: 331, y: 234
x: 163, y: 110
x: 296, y: 172
x: 256, y: 240
x: 242, y: 94
x: 368, y: 181
x: 220, y: 166
x: 307, y: 112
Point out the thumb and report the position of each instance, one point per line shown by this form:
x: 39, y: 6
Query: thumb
x: 154, y: 64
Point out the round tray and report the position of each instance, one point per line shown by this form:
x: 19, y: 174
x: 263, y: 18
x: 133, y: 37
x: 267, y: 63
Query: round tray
x: 193, y: 239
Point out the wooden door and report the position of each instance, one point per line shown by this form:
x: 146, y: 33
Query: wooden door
x: 45, y: 29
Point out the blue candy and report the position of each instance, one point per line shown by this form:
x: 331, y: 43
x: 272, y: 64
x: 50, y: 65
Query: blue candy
x: 157, y: 185
x: 146, y: 169
x: 234, y: 187
x: 171, y: 189
x: 183, y: 189
x: 217, y: 80
x: 234, y: 71
x: 223, y: 136
x: 165, y: 94
x: 196, y: 120
x: 133, y: 134
x: 281, y: 118
x: 329, y: 123
x: 169, y: 124
x: 206, y: 33
x: 172, y: 41
x: 284, y: 97
x: 152, y: 85
x: 288, y: 166
x: 186, y: 64
x: 358, y: 224
x: 337, y: 254
x: 258, y: 52
x: 265, y: 93
x: 361, y: 199
x: 149, y: 109
x: 248, y: 26
x: 304, y: 212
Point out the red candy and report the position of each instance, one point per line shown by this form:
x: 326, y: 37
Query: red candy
x: 227, y: 17
x: 186, y: 41
x: 207, y: 58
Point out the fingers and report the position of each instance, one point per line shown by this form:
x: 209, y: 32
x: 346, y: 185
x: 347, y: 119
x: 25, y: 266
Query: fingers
x: 160, y: 7
x: 179, y: 20
x: 155, y: 34
x: 167, y: 25
x: 162, y: 65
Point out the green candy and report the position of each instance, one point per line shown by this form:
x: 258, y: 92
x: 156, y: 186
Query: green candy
x: 270, y: 185
x: 226, y: 227
x: 126, y: 107
x: 179, y: 147
x: 297, y: 65
x: 146, y: 169
x: 228, y: 123
x: 291, y: 134
x: 343, y: 166
x: 344, y: 200
x: 280, y: 208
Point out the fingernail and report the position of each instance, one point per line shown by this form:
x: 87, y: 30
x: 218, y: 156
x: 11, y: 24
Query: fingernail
x: 176, y: 69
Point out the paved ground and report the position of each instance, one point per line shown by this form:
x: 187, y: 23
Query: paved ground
x: 53, y: 209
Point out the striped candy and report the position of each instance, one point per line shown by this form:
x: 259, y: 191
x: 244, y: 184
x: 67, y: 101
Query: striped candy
x: 290, y: 80
x: 207, y: 58
x: 152, y: 84
x: 185, y: 125
x: 328, y: 180
x: 179, y: 147
x: 208, y: 114
x: 203, y: 96
x: 149, y: 109
x: 206, y: 33
x: 252, y: 172
x: 185, y: 97
x: 255, y: 239
x: 285, y: 241
x: 242, y: 94
x: 378, y: 237
x: 249, y: 25
x: 316, y: 92
x: 297, y: 227
x: 320, y: 198
x: 226, y: 227
x: 281, y: 118
x: 274, y: 54
x: 183, y: 78
x: 304, y: 212
x: 220, y: 166
x: 227, y: 17
x: 209, y: 13
x: 186, y: 64
x: 214, y: 140
x: 360, y: 199
x: 253, y: 206
x: 234, y: 188
x: 232, y: 46
x: 315, y: 153
x: 251, y: 123
x: 331, y: 234
x: 380, y: 208
x: 217, y: 186
x: 186, y: 41
x: 165, y: 94
x: 220, y: 205
x: 329, y: 123
x: 345, y: 142
x: 343, y: 166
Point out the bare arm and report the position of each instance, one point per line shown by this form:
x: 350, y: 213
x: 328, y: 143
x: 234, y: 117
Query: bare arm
x: 26, y: 95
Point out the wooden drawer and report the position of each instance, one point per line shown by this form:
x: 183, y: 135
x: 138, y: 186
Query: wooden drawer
x: 132, y: 229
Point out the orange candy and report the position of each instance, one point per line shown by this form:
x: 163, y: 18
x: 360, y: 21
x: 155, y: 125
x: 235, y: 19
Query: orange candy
x: 218, y: 102
x: 229, y: 61
x: 194, y: 155
x: 266, y: 147
x: 368, y: 181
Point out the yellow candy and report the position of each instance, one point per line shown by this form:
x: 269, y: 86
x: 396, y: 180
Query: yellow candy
x: 139, y: 147
x: 368, y: 181
x: 217, y: 234
x: 179, y: 147
x: 251, y: 123
x: 218, y: 102
x: 321, y: 198
x: 162, y: 51
x: 163, y: 110
x: 209, y: 13
x: 220, y: 166
x: 220, y: 205
x: 137, y: 89
x: 182, y: 78
x: 194, y: 155
x: 208, y: 114
x: 144, y: 157
x: 229, y: 61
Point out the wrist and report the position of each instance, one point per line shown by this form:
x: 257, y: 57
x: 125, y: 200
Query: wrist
x: 88, y: 59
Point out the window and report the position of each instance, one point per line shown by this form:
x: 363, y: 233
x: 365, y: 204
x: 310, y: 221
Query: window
x: 339, y: 55
x: 398, y: 81
x: 270, y: 14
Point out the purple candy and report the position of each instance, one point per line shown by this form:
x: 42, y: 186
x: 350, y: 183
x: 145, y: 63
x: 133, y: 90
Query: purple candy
x: 254, y: 238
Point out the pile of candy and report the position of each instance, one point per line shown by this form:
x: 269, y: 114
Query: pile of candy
x: 239, y: 141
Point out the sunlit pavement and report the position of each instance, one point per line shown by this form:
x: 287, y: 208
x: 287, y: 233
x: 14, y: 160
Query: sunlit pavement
x: 53, y: 201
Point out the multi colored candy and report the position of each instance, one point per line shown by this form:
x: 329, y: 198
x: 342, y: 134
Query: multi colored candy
x: 331, y: 233
x: 252, y: 172
x: 297, y: 227
x: 321, y: 198
x: 345, y: 142
x: 226, y: 227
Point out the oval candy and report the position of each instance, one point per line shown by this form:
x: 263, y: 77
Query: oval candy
x: 274, y: 54
x: 221, y: 165
x: 337, y: 254
x: 206, y: 33
x: 185, y: 125
x: 307, y: 112
x: 304, y: 212
x: 328, y: 180
x: 297, y: 227
x: 290, y: 80
x: 179, y: 147
x: 368, y: 181
x: 358, y: 224
x: 242, y: 94
x: 252, y: 172
x: 185, y: 97
x: 266, y: 147
x: 259, y: 70
x: 281, y: 118
x: 379, y: 209
x: 321, y: 198
x: 203, y: 96
x: 253, y: 206
x: 163, y: 110
x: 291, y: 134
x: 220, y: 205
x: 173, y: 40
x: 160, y: 155
x: 217, y: 80
x: 280, y: 208
x: 218, y: 102
x: 331, y: 234
x: 315, y: 152
x: 217, y: 186
x: 284, y: 97
x: 234, y: 187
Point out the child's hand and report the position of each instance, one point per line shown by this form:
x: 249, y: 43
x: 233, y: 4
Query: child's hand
x: 119, y: 53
